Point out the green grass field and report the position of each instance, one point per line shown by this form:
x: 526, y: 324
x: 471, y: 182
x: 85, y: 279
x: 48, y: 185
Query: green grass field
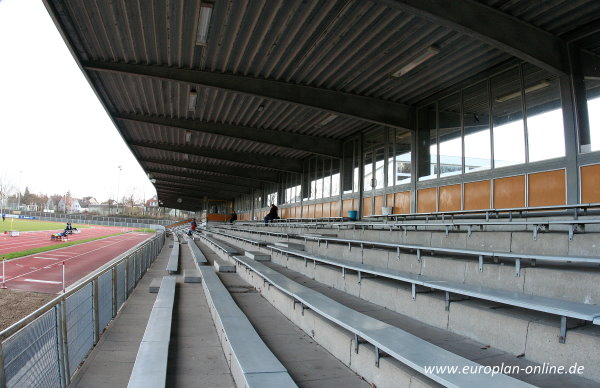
x: 33, y: 225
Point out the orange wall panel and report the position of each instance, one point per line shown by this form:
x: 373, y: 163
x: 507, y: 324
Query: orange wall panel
x: 327, y: 209
x: 389, y: 201
x: 318, y: 210
x: 401, y: 202
x: 335, y: 209
x: 547, y: 188
x: 427, y: 200
x: 450, y: 198
x: 217, y: 217
x: 347, y: 204
x: 367, y: 211
x: 477, y: 195
x: 590, y: 183
x: 509, y: 192
x: 378, y: 204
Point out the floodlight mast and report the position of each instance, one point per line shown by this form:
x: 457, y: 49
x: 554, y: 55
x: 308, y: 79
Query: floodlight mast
x: 118, y: 184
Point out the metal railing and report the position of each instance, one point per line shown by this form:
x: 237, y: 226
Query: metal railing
x: 45, y: 348
x: 98, y: 220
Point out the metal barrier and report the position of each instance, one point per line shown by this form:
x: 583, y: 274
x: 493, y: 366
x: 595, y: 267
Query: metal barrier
x: 98, y: 220
x: 45, y: 348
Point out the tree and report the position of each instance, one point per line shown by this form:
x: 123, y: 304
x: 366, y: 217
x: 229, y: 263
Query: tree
x: 6, y: 190
x: 27, y: 197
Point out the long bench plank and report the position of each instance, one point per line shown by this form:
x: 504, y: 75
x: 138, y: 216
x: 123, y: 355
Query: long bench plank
x: 256, y: 364
x: 469, y: 252
x: 173, y: 263
x: 221, y: 245
x: 150, y: 367
x: 560, y: 307
x: 403, y: 346
x: 196, y: 252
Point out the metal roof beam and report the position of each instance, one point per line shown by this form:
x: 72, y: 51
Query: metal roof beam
x: 229, y: 184
x: 193, y: 193
x: 247, y: 158
x: 313, y: 144
x: 364, y: 108
x: 233, y: 172
x: 197, y: 185
x: 494, y: 27
x: 198, y: 176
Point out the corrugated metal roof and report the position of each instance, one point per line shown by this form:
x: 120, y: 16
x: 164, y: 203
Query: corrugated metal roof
x: 350, y: 46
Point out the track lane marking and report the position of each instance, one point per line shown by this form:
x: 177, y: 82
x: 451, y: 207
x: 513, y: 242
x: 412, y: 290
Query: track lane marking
x: 41, y: 281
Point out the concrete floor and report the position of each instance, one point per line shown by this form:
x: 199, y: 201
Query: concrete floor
x: 195, y: 354
x: 308, y: 363
x: 472, y: 350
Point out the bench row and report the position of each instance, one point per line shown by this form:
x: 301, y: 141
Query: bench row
x: 408, y: 349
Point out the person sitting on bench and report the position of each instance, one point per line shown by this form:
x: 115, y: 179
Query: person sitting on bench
x: 272, y: 214
x: 233, y: 217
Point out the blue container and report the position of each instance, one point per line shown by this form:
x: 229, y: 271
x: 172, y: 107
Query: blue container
x: 352, y: 214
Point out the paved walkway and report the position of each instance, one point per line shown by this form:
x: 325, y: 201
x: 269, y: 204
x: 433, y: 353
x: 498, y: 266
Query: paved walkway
x: 195, y: 353
x: 309, y: 364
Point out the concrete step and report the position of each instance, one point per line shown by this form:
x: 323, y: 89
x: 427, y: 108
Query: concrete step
x: 223, y: 266
x: 258, y: 256
x: 286, y: 244
x: 191, y: 276
x: 155, y: 285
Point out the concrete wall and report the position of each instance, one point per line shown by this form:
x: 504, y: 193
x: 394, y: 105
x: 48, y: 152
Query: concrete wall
x: 574, y: 283
x: 511, y: 329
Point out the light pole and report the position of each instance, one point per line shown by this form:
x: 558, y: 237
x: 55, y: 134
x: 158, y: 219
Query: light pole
x: 118, y: 184
x: 19, y: 191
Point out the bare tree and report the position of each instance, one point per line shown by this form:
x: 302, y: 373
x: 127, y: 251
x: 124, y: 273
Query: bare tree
x: 6, y: 189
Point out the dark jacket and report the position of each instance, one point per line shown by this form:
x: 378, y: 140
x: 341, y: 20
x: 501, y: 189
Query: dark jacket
x: 273, y: 212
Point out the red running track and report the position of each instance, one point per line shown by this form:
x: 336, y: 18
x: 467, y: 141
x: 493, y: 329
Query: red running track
x: 30, y: 240
x: 42, y: 272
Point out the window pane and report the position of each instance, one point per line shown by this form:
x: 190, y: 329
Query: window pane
x: 379, y: 168
x: 593, y: 104
x: 326, y: 178
x: 368, y: 179
x: 427, y: 143
x: 403, y: 156
x: 390, y: 161
x: 545, y: 131
x: 449, y: 134
x: 335, y: 184
x: 507, y: 109
x: 476, y: 121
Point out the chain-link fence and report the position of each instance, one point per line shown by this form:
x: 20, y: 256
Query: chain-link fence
x: 45, y: 348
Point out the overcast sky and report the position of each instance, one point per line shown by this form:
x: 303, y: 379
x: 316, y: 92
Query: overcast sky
x: 54, y: 133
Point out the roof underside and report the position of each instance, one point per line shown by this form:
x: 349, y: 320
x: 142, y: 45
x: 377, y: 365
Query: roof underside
x: 321, y: 58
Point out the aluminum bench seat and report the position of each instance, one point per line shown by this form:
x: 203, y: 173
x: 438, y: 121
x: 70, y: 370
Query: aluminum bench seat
x: 258, y: 243
x: 252, y: 363
x: 150, y: 367
x: 173, y: 263
x: 197, y: 254
x: 573, y: 226
x: 480, y: 254
x: 223, y: 246
x: 410, y: 350
x: 563, y: 308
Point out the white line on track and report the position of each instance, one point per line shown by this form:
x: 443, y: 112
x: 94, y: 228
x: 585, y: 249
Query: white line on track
x: 45, y: 258
x: 41, y: 281
x: 73, y: 257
